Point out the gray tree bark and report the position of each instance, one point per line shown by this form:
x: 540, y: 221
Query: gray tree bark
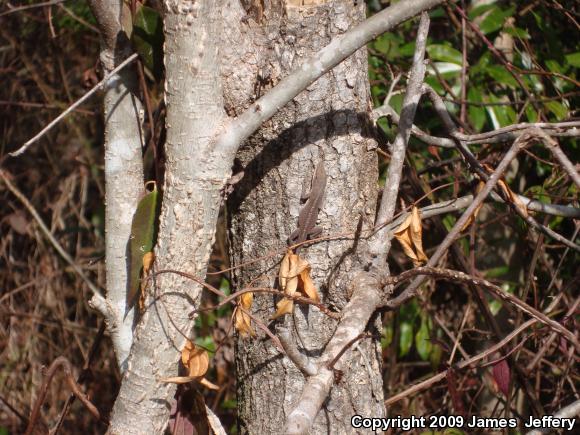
x: 326, y: 123
x: 193, y: 179
x: 123, y: 172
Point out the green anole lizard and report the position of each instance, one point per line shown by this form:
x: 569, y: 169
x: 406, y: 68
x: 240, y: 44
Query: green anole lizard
x: 307, y: 228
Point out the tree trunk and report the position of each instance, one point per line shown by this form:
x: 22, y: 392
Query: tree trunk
x: 326, y: 123
x: 191, y: 196
x: 123, y: 172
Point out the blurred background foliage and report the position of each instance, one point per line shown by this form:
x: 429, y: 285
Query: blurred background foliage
x: 509, y: 62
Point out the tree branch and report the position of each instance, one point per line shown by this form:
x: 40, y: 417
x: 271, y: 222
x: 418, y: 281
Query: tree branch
x: 441, y: 110
x: 356, y: 313
x: 123, y: 168
x: 570, y: 411
x: 462, y: 221
x: 504, y: 134
x: 74, y: 106
x: 236, y: 131
x: 380, y: 244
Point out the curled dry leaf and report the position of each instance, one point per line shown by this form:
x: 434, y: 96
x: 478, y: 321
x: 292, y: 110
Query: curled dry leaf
x: 242, y: 320
x: 179, y: 380
x: 308, y: 286
x: 194, y: 359
x: 510, y: 194
x: 294, y: 276
x: 284, y: 306
x: 410, y: 236
x: 148, y: 259
x: 513, y: 197
x: 209, y: 385
x: 474, y: 215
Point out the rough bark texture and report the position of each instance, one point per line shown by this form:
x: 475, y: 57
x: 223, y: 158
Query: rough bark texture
x: 193, y: 178
x: 326, y: 122
x: 123, y: 171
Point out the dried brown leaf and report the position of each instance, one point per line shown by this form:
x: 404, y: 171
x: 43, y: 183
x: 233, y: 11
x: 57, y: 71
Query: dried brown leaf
x: 474, y: 215
x: 179, y: 379
x: 148, y: 259
x: 242, y: 323
x: 308, y: 287
x: 195, y: 359
x: 283, y: 307
x: 294, y: 276
x: 242, y: 320
x: 513, y: 198
x: 209, y: 385
x: 409, y: 235
x: 417, y: 234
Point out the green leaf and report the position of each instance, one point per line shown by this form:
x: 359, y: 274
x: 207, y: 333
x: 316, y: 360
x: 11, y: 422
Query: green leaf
x: 481, y: 65
x: 387, y: 337
x: 502, y: 75
x: 207, y: 342
x: 444, y: 53
x: 436, y: 352
x: 388, y: 44
x: 143, y: 233
x: 229, y: 404
x: 500, y: 115
x: 476, y: 113
x: 407, y: 49
x: 406, y: 319
x: 573, y: 59
x: 423, y: 338
x: 480, y: 10
x: 517, y: 32
x: 558, y: 109
x: 531, y: 113
x: 495, y: 19
x: 554, y: 66
x: 147, y: 38
x: 405, y: 338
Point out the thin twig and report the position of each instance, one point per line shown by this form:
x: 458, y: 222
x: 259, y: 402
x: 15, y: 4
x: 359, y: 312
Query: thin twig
x: 61, y: 361
x: 73, y: 106
x: 463, y: 364
x: 454, y: 275
x: 570, y: 411
x: 32, y: 6
x: 347, y: 346
x: 462, y: 221
x: 503, y: 134
x: 301, y: 361
x: 97, y: 293
x: 379, y: 246
x: 82, y: 377
x: 529, y: 134
x: 555, y: 149
x: 539, y: 355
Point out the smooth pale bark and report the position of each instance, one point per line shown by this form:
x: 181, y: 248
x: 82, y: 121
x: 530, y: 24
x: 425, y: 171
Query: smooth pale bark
x: 123, y: 172
x: 327, y: 122
x: 193, y: 178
